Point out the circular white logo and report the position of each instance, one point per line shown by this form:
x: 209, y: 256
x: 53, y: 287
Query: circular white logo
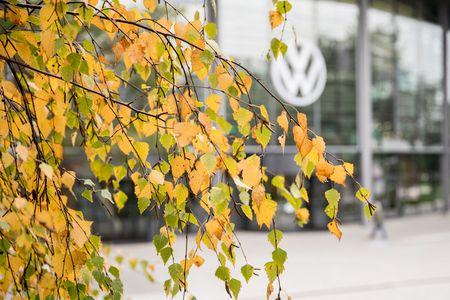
x: 300, y: 76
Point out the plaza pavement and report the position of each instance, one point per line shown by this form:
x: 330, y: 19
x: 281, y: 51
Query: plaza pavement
x: 414, y: 263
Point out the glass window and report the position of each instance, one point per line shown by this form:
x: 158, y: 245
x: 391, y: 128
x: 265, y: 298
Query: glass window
x: 407, y: 183
x: 331, y: 25
x: 407, y: 75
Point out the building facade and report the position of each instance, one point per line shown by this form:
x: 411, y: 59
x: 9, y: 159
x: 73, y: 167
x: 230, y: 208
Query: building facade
x: 384, y: 105
x: 372, y: 77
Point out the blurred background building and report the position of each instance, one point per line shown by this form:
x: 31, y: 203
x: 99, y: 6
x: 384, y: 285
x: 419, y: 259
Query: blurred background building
x: 383, y: 105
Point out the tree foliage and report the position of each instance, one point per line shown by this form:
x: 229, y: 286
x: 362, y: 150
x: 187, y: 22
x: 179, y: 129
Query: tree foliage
x: 142, y: 93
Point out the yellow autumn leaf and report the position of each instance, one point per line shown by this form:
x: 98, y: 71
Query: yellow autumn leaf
x: 198, y: 179
x: 333, y: 227
x: 48, y: 15
x: 302, y: 215
x: 80, y: 232
x: 178, y: 166
x: 22, y: 151
x: 319, y: 145
x: 283, y: 121
x: 251, y: 170
x: 275, y: 18
x: 349, y: 168
x: 198, y: 260
x: 10, y: 90
x: 324, y: 168
x: 299, y: 135
x: 142, y: 149
x: 184, y: 133
x: 47, y: 170
x: 264, y: 212
x: 213, y: 101
x: 151, y: 5
x: 339, y: 175
x: 264, y: 113
x: 156, y: 177
x: 214, y: 228
x: 68, y: 179
x: 302, y: 120
x: 124, y: 144
x: 225, y: 81
x: 306, y: 147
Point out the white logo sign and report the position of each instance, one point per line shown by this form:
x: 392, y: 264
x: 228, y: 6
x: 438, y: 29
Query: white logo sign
x: 300, y: 76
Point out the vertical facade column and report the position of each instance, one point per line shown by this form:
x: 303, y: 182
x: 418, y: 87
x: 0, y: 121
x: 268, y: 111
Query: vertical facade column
x: 364, y: 101
x: 445, y: 165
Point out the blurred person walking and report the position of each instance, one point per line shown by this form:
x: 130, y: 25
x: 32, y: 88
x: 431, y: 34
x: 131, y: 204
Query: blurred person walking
x: 378, y: 223
x: 379, y: 191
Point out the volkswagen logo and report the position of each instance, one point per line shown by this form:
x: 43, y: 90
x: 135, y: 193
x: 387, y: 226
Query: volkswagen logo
x: 300, y: 76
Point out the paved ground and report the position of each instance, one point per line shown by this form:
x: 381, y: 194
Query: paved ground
x: 414, y: 263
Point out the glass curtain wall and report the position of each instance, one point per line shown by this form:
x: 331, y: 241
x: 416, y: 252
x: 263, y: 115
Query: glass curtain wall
x: 407, y: 98
x: 330, y: 25
x: 407, y: 68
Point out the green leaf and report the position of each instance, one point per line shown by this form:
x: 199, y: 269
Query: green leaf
x: 117, y: 286
x: 278, y: 181
x: 363, y: 194
x: 283, y: 7
x: 332, y: 196
x: 209, y: 161
x: 98, y: 261
x: 84, y: 105
x: 120, y: 198
x: 114, y: 271
x: 243, y: 117
x: 369, y: 210
x: 275, y: 46
x: 247, y: 272
x: 160, y: 241
x: 67, y: 73
x: 217, y: 195
x: 87, y: 44
x: 143, y: 203
x: 207, y: 57
x: 283, y: 48
x: 279, y: 256
x: 263, y: 135
x: 167, y: 141
x: 165, y: 254
x: 247, y: 211
x: 74, y: 60
x: 272, y: 270
x: 175, y: 271
x: 84, y: 67
x: 87, y: 194
x: 223, y: 273
x: 180, y: 193
x: 271, y: 237
x: 309, y: 169
x: 244, y: 197
x: 331, y: 211
x: 235, y: 287
x: 211, y: 30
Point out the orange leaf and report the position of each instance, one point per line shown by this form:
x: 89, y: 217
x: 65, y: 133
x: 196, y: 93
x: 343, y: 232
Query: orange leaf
x: 333, y: 227
x: 338, y: 175
x: 283, y: 121
x: 275, y: 18
x: 184, y: 133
